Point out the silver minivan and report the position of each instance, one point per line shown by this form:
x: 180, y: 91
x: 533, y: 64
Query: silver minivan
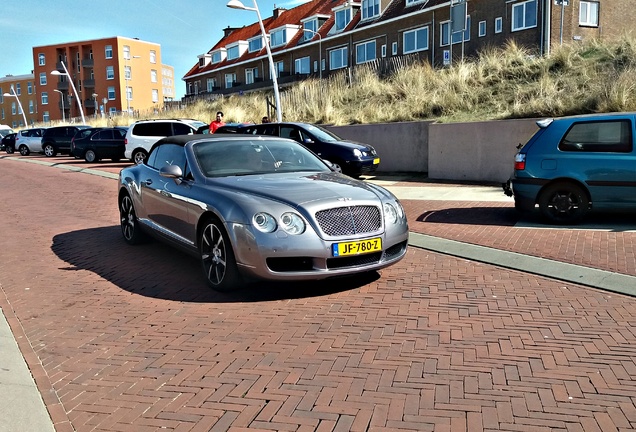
x: 29, y: 141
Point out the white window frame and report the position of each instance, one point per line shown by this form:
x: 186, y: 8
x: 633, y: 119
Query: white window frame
x: 415, y: 32
x: 520, y: 8
x: 155, y: 95
x: 41, y: 59
x: 394, y: 48
x: 108, y: 51
x: 211, y: 83
x: 299, y: 63
x: 126, y: 52
x: 129, y: 93
x: 233, y: 52
x: 110, y: 72
x: 383, y: 50
x: 370, y: 9
x: 273, y: 37
x: 153, y: 56
x: 29, y: 87
x: 482, y: 28
x: 445, y: 35
x: 46, y: 117
x: 588, y: 13
x: 280, y: 68
x: 413, y: 2
x: 347, y: 18
x: 230, y: 78
x: 312, y: 28
x: 43, y: 78
x: 343, y: 55
x: 127, y: 73
x: 18, y: 89
x: 250, y: 75
x: 219, y: 55
x: 45, y: 98
x: 111, y: 93
x: 251, y: 44
x: 498, y: 25
x: 153, y: 75
x: 31, y: 107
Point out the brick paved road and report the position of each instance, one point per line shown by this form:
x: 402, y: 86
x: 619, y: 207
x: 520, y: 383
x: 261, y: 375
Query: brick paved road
x: 130, y: 339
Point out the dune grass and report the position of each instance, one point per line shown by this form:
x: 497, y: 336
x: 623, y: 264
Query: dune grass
x: 499, y: 83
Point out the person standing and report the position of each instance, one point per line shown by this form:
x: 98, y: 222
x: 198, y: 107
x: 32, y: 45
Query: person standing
x: 265, y: 119
x: 217, y: 123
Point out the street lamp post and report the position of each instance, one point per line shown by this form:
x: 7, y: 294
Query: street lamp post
x: 77, y: 96
x: 61, y: 100
x: 13, y: 94
x: 236, y: 4
x: 319, y: 50
x: 128, y: 75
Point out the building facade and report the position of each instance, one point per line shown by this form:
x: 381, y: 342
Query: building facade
x: 319, y: 38
x: 110, y: 75
x: 17, y: 96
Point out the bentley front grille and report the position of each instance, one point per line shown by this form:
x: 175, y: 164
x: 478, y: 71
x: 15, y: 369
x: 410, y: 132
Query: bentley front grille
x: 344, y: 221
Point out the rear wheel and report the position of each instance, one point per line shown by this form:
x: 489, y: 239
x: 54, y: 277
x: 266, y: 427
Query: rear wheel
x: 90, y: 156
x: 139, y: 156
x: 128, y: 220
x: 24, y: 150
x: 9, y: 149
x: 49, y: 150
x: 217, y: 257
x: 564, y: 203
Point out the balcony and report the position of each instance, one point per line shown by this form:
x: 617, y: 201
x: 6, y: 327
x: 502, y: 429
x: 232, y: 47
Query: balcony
x: 59, y: 67
x: 88, y: 63
x: 89, y: 103
x: 63, y: 85
x: 89, y: 83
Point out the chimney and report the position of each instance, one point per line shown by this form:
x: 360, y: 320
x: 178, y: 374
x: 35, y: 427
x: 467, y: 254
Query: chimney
x: 227, y: 31
x: 278, y: 11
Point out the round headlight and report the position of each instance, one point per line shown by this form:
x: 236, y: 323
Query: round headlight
x: 264, y: 222
x: 390, y: 214
x: 357, y: 153
x: 292, y: 223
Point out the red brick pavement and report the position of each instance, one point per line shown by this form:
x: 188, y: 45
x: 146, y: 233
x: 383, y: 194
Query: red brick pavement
x: 126, y: 338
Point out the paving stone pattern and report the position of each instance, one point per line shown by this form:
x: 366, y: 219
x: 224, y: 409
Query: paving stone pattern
x: 124, y: 338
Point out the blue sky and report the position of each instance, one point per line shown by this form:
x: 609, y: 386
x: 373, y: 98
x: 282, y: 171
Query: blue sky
x: 184, y: 29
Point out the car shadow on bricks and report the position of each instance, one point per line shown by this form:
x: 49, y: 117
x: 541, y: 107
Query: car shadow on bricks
x: 500, y: 216
x: 156, y: 270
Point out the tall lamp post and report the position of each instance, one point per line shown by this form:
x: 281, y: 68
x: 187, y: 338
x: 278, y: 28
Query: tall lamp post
x: 12, y: 94
x: 61, y: 100
x: 70, y: 79
x: 128, y: 75
x: 319, y: 49
x: 236, y: 4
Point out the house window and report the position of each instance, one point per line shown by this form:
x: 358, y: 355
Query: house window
x: 312, y: 29
x: 233, y: 52
x: 29, y: 87
x: 415, y: 40
x: 279, y: 37
x: 45, y: 98
x: 153, y: 75
x: 41, y: 60
x: 129, y: 93
x: 280, y: 67
x: 445, y: 36
x: 250, y: 74
x: 498, y: 25
x: 18, y: 89
x: 43, y: 78
x: 46, y: 117
x: 108, y: 52
x: 524, y: 15
x: 216, y: 57
x: 338, y: 58
x: 255, y: 45
x: 383, y: 49
x: 394, y: 48
x: 365, y: 52
x: 343, y: 17
x: 126, y: 52
x: 211, y: 83
x: 229, y: 80
x: 31, y: 107
x: 153, y: 56
x: 155, y: 95
x: 302, y: 65
x: 588, y: 13
x: 110, y: 72
x: 13, y: 109
x: 111, y: 93
x: 482, y: 28
x: 412, y: 2
x: 370, y: 8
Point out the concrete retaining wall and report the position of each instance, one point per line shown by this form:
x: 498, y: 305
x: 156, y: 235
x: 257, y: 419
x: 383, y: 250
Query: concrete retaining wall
x: 476, y: 151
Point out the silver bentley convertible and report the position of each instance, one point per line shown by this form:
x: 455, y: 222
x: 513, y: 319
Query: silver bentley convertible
x: 259, y: 208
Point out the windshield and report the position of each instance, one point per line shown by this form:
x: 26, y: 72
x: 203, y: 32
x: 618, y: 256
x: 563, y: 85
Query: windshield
x: 322, y: 134
x: 5, y: 131
x: 196, y: 123
x: 255, y: 156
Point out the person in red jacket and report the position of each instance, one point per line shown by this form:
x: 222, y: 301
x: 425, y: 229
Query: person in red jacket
x: 217, y: 123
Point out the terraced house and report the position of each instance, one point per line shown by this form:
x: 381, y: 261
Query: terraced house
x: 322, y: 37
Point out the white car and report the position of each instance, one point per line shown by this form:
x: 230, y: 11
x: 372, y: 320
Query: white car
x: 142, y: 135
x: 29, y: 140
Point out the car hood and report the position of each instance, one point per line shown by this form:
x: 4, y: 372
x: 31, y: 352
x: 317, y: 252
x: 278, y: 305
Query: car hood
x: 349, y: 144
x: 298, y: 189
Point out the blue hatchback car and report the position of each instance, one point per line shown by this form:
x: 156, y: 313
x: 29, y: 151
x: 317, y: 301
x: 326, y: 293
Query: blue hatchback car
x: 574, y: 164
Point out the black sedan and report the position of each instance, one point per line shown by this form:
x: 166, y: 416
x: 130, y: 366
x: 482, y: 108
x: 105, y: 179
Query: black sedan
x: 95, y: 144
x: 352, y: 157
x: 8, y: 143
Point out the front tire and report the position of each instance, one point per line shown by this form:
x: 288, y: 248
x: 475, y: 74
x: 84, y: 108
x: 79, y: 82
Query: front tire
x: 564, y: 203
x: 139, y: 156
x: 90, y: 156
x: 49, y: 150
x: 217, y: 257
x: 9, y: 149
x: 24, y: 150
x: 130, y: 228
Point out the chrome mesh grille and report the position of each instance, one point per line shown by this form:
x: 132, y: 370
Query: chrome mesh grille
x: 343, y: 221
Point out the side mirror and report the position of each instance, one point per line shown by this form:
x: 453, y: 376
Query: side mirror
x: 308, y: 141
x: 334, y: 167
x: 171, y: 171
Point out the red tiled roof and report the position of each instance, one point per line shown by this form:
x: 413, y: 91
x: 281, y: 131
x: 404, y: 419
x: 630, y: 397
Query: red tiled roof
x: 286, y: 17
